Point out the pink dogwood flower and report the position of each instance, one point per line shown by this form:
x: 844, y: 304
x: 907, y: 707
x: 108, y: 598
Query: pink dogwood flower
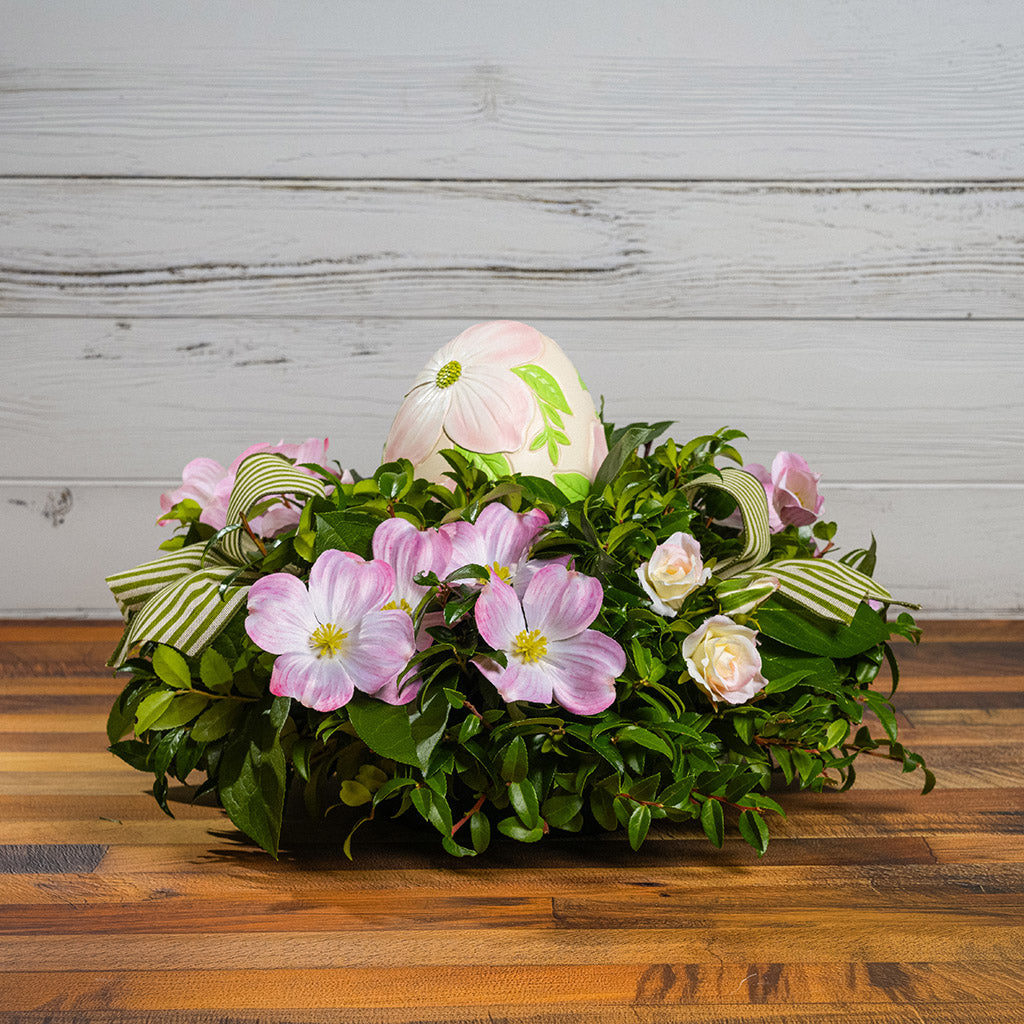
x: 499, y: 540
x: 552, y: 655
x: 410, y: 551
x: 468, y: 393
x: 209, y: 484
x: 335, y: 637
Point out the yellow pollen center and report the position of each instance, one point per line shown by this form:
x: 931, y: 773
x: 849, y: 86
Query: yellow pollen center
x: 530, y: 646
x: 448, y: 374
x: 402, y: 606
x: 327, y: 640
x: 501, y: 572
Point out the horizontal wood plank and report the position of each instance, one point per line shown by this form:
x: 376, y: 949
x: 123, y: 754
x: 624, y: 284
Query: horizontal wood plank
x: 949, y: 405
x: 922, y: 556
x: 550, y: 1013
x: 702, y: 89
x: 870, y: 905
x: 655, y: 984
x: 117, y: 247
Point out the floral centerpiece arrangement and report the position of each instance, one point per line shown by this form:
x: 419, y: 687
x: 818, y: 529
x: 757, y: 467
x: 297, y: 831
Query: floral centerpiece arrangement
x: 524, y: 620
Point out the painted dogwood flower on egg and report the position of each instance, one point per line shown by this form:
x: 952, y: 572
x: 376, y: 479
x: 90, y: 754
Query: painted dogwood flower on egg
x: 468, y: 393
x: 335, y: 637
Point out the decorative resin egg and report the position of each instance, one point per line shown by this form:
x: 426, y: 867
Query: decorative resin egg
x: 508, y: 398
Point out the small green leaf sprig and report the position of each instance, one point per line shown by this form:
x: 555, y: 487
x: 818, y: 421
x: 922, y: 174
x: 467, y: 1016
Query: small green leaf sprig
x: 468, y: 763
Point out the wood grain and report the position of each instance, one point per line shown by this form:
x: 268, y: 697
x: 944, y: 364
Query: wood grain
x: 703, y: 89
x: 877, y: 906
x: 920, y: 529
x: 476, y: 250
x: 963, y: 422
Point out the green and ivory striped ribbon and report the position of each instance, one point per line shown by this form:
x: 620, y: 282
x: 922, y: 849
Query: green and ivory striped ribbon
x: 260, y: 476
x: 134, y: 587
x: 753, y: 503
x: 829, y: 589
x: 187, y: 614
x: 180, y: 599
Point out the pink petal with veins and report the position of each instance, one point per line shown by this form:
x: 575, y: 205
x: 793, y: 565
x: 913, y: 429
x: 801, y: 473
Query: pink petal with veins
x: 561, y: 603
x: 323, y: 684
x: 343, y: 588
x: 499, y: 615
x: 281, y: 616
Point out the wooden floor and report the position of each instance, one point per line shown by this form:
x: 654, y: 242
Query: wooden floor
x: 877, y: 906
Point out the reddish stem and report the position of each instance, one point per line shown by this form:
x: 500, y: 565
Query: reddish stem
x: 469, y: 814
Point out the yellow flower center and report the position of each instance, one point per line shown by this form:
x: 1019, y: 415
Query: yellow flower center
x: 501, y: 572
x: 402, y: 606
x: 327, y: 640
x: 530, y: 646
x: 448, y: 374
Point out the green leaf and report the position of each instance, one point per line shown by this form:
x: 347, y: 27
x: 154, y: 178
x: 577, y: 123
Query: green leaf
x: 712, y: 820
x: 493, y: 464
x: 639, y: 823
x: 545, y: 490
x: 602, y: 807
x: 796, y: 628
x: 645, y: 738
x: 471, y: 725
x: 171, y: 667
x: 251, y: 778
x: 427, y: 725
x: 523, y: 798
x: 620, y: 454
x: 215, y: 672
x: 511, y: 828
x: 883, y: 710
x: 575, y: 486
x: 216, y: 721
x: 384, y: 728
x: 559, y: 810
x: 543, y: 385
x: 514, y: 761
x: 122, y: 713
x: 354, y: 794
x: 837, y: 732
x: 754, y: 831
x: 183, y: 708
x: 480, y: 831
x: 345, y: 531
x: 151, y: 708
x: 434, y: 808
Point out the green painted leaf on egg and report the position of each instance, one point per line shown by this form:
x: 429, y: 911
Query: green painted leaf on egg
x: 543, y: 385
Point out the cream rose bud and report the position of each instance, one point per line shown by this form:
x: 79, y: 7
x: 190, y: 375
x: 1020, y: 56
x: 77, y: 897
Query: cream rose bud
x: 674, y: 571
x: 723, y: 659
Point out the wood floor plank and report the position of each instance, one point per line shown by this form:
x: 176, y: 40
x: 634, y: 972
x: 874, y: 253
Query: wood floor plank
x: 877, y: 905
x: 552, y: 1013
x: 676, y: 983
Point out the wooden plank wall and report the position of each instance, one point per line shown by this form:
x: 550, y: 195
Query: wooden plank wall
x: 238, y: 222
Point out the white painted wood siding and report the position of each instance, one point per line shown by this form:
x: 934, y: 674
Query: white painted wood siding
x: 233, y: 222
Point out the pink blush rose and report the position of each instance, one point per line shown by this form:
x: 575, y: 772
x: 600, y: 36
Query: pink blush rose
x: 723, y: 660
x: 795, y: 497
